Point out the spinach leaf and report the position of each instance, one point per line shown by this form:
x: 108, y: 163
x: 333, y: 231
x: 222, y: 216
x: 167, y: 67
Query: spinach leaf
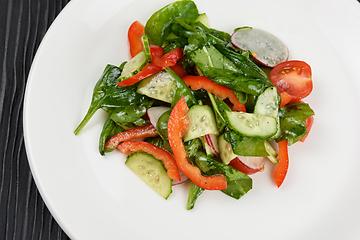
x: 194, y: 193
x: 211, y: 57
x: 130, y: 113
x: 162, y: 125
x: 245, y: 146
x: 192, y: 147
x: 157, y: 28
x: 234, y: 79
x: 159, y: 142
x: 219, y: 107
x: 238, y: 183
x: 107, y: 94
x: 248, y: 67
x: 110, y: 128
x: 292, y: 121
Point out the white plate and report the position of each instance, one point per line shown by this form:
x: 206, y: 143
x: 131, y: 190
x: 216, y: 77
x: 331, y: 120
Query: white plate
x: 93, y: 197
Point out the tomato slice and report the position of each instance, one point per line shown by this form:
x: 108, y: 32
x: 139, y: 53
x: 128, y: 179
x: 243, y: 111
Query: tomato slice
x: 292, y: 77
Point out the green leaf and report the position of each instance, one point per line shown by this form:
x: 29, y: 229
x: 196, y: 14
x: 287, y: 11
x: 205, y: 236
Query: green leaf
x: 194, y: 193
x: 245, y: 146
x: 110, y: 129
x: 238, y: 183
x: 234, y: 80
x: 157, y: 27
x: 293, y: 120
x: 107, y: 94
x: 130, y: 113
x: 103, y: 88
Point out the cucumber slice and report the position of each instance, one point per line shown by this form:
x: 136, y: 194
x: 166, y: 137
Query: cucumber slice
x: 225, y: 149
x: 151, y: 171
x: 146, y: 44
x: 268, y: 104
x: 133, y: 66
x: 202, y: 122
x: 160, y: 86
x: 252, y: 125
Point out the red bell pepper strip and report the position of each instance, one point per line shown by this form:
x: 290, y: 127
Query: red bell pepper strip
x: 282, y: 166
x: 285, y: 98
x: 168, y: 59
x: 160, y: 154
x: 308, y: 125
x: 198, y: 82
x: 156, y: 51
x: 177, y: 127
x: 133, y: 133
x: 148, y: 70
x: 135, y: 32
x: 179, y: 70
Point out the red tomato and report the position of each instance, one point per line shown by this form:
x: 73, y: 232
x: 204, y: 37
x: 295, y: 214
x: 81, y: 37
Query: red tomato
x: 292, y: 77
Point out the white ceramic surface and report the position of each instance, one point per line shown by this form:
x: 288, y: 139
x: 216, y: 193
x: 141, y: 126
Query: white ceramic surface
x: 94, y: 197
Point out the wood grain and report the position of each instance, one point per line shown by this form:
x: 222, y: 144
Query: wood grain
x: 23, y: 214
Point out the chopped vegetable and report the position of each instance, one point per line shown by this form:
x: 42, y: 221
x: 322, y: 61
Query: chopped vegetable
x: 293, y: 77
x: 198, y: 82
x: 283, y: 164
x: 177, y: 127
x: 136, y: 31
x: 133, y: 133
x: 264, y: 47
x: 158, y: 153
x: 195, y: 104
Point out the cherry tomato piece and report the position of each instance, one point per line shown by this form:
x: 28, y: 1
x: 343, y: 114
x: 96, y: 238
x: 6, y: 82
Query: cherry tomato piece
x: 293, y: 77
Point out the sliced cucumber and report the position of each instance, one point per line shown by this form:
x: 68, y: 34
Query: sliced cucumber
x: 268, y: 104
x: 133, y: 66
x: 146, y: 44
x: 160, y: 86
x: 252, y: 125
x: 151, y: 171
x: 202, y: 122
x: 225, y: 149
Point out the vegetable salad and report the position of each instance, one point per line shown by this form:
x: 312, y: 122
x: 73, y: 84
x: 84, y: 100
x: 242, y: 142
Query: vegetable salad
x: 202, y: 106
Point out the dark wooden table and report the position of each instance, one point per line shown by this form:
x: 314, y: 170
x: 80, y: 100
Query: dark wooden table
x: 23, y: 214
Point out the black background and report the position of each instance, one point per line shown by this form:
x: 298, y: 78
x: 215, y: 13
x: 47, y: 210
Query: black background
x: 23, y: 214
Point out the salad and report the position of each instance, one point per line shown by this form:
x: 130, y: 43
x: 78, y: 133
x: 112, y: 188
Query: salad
x: 199, y: 105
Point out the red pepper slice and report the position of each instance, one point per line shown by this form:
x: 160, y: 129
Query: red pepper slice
x: 135, y: 32
x: 179, y: 70
x: 166, y: 60
x: 156, y: 51
x: 148, y: 70
x: 160, y: 154
x: 177, y: 127
x: 198, y: 82
x: 133, y: 133
x: 282, y: 166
